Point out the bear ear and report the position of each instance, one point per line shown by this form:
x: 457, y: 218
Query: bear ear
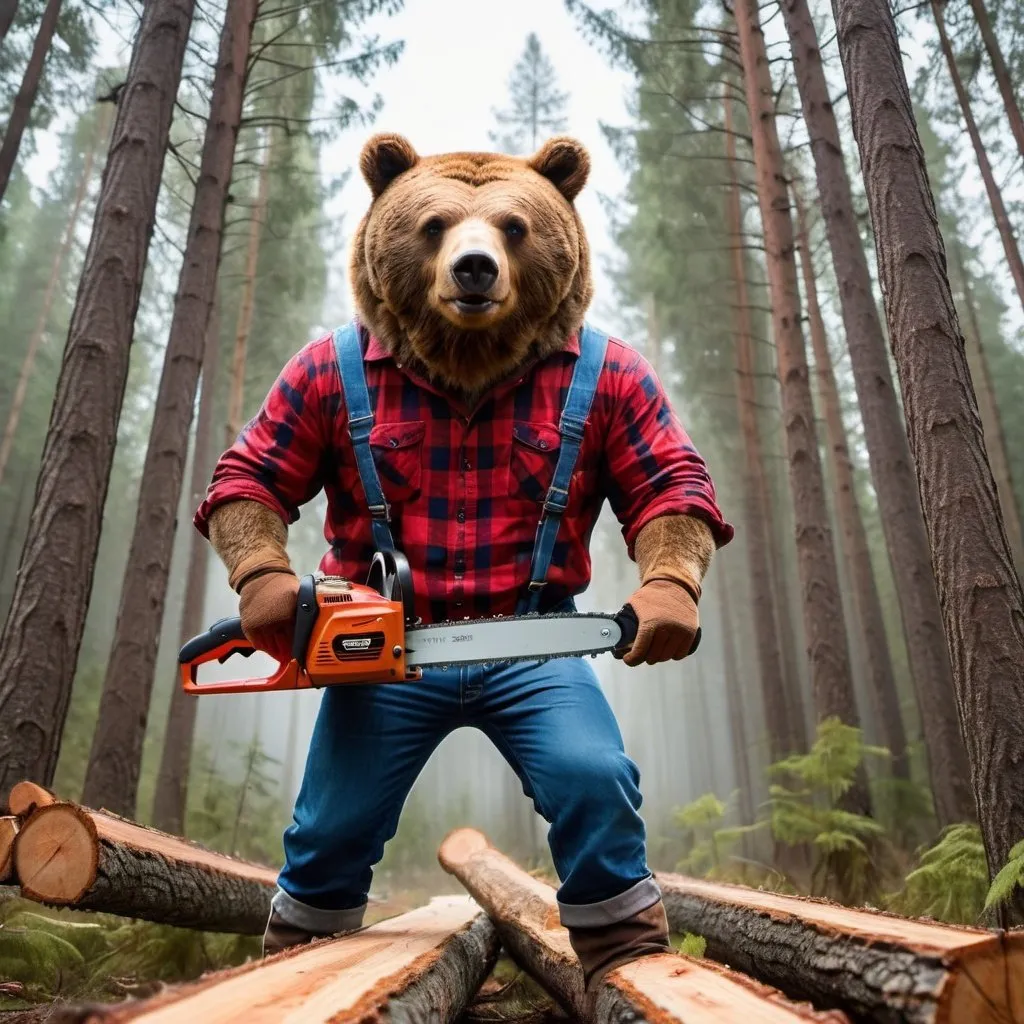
x: 384, y: 158
x: 565, y: 163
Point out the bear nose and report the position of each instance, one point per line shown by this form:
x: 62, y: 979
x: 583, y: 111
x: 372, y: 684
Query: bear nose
x: 475, y: 271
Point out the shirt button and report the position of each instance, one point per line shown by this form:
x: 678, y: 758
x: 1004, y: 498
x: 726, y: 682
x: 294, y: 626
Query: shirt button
x: 543, y: 444
x: 461, y: 515
x: 465, y: 464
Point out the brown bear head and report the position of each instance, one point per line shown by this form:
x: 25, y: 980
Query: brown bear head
x: 468, y: 265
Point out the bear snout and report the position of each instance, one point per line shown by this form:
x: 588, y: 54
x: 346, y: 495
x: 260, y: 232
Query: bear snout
x: 475, y: 272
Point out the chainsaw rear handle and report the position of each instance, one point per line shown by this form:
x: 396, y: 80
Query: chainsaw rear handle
x: 629, y: 624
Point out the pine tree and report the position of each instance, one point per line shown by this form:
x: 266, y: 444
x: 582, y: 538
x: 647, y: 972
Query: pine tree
x: 888, y: 451
x: 41, y: 636
x: 979, y: 590
x: 828, y: 648
x: 114, y: 764
x: 537, y: 107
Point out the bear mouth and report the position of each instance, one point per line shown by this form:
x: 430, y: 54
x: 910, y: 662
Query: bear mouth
x: 473, y: 305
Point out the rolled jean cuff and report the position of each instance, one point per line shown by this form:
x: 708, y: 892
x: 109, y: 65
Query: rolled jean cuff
x: 314, y: 919
x: 639, y: 897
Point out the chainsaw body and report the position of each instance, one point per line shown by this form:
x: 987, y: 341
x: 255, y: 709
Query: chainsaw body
x: 345, y: 633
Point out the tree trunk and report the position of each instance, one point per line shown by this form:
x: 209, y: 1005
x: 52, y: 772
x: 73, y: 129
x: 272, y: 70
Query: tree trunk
x: 827, y: 648
x: 991, y: 419
x: 67, y: 855
x: 734, y: 702
x: 8, y: 9
x: 981, y: 597
x: 112, y: 777
x: 22, y: 109
x: 1001, y: 72
x: 423, y: 967
x: 880, y: 677
x: 24, y: 486
x: 782, y: 740
x: 888, y: 451
x: 36, y: 340
x: 995, y: 196
x: 8, y: 833
x: 26, y: 797
x: 236, y: 395
x: 874, y: 966
x: 660, y: 989
x: 171, y: 799
x: 43, y: 632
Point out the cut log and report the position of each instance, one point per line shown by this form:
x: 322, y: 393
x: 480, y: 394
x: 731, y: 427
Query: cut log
x: 659, y: 989
x: 26, y: 797
x: 8, y: 831
x: 424, y: 966
x: 874, y: 966
x: 66, y: 855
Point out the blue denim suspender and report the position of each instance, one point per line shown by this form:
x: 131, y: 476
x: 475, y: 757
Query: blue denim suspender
x: 571, y: 426
x: 574, y: 418
x: 360, y: 423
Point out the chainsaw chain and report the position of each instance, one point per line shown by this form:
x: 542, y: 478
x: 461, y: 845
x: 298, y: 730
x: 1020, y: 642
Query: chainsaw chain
x: 512, y: 659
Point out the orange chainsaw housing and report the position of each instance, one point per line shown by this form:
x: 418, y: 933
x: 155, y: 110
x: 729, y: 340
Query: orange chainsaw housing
x: 346, y: 633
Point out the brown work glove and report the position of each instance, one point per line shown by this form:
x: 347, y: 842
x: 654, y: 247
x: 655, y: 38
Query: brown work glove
x: 668, y: 622
x: 267, y: 609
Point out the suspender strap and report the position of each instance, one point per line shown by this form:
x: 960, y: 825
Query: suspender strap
x: 574, y: 417
x: 360, y: 422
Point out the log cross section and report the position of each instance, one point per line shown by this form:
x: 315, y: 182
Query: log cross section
x: 67, y: 855
x: 660, y: 989
x: 422, y: 966
x: 874, y: 966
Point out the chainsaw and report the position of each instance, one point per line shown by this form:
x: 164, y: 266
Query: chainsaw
x: 351, y: 633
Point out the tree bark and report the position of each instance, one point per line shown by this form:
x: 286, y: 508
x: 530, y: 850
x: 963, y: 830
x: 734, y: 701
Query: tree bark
x: 24, y: 489
x: 8, y: 9
x: 236, y: 394
x: 171, y: 798
x: 874, y: 966
x: 980, y: 593
x: 23, y: 102
x: 50, y: 293
x: 892, y: 471
x: 423, y: 967
x: 659, y: 989
x: 734, y: 702
x: 112, y: 777
x: 779, y: 715
x: 43, y: 631
x: 995, y: 195
x: 827, y: 650
x: 880, y: 677
x: 991, y: 419
x: 8, y: 833
x: 1001, y: 72
x: 67, y: 855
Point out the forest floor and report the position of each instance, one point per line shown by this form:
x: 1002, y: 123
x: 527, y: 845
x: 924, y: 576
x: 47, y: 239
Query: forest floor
x: 50, y: 959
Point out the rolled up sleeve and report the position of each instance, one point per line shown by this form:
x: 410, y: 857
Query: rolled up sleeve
x: 277, y: 459
x: 652, y: 468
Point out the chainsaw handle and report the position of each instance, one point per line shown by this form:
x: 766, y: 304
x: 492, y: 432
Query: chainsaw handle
x: 224, y: 636
x: 628, y: 623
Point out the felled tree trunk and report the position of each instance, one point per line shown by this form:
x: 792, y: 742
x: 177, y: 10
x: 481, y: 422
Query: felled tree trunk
x: 874, y: 966
x: 66, y: 855
x: 423, y: 967
x: 660, y: 988
x: 8, y: 833
x: 26, y: 797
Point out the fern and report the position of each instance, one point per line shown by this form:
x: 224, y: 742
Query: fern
x: 1010, y: 876
x: 950, y: 881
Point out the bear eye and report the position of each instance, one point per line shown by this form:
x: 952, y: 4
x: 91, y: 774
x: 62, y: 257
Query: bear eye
x: 434, y: 227
x: 515, y: 229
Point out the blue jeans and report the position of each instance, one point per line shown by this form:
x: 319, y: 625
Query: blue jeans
x: 552, y: 724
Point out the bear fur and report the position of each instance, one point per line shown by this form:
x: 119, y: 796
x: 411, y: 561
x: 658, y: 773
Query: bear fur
x: 427, y: 209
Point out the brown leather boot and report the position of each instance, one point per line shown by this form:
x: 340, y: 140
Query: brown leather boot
x: 602, y: 949
x: 280, y: 935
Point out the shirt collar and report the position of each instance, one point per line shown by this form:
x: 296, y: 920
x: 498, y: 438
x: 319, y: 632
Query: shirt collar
x: 376, y: 352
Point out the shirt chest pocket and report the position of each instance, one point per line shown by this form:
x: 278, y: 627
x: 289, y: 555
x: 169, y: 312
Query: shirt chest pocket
x: 535, y: 448
x: 398, y: 454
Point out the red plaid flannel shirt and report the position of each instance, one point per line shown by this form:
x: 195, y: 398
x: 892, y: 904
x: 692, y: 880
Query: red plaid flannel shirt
x: 466, y: 486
